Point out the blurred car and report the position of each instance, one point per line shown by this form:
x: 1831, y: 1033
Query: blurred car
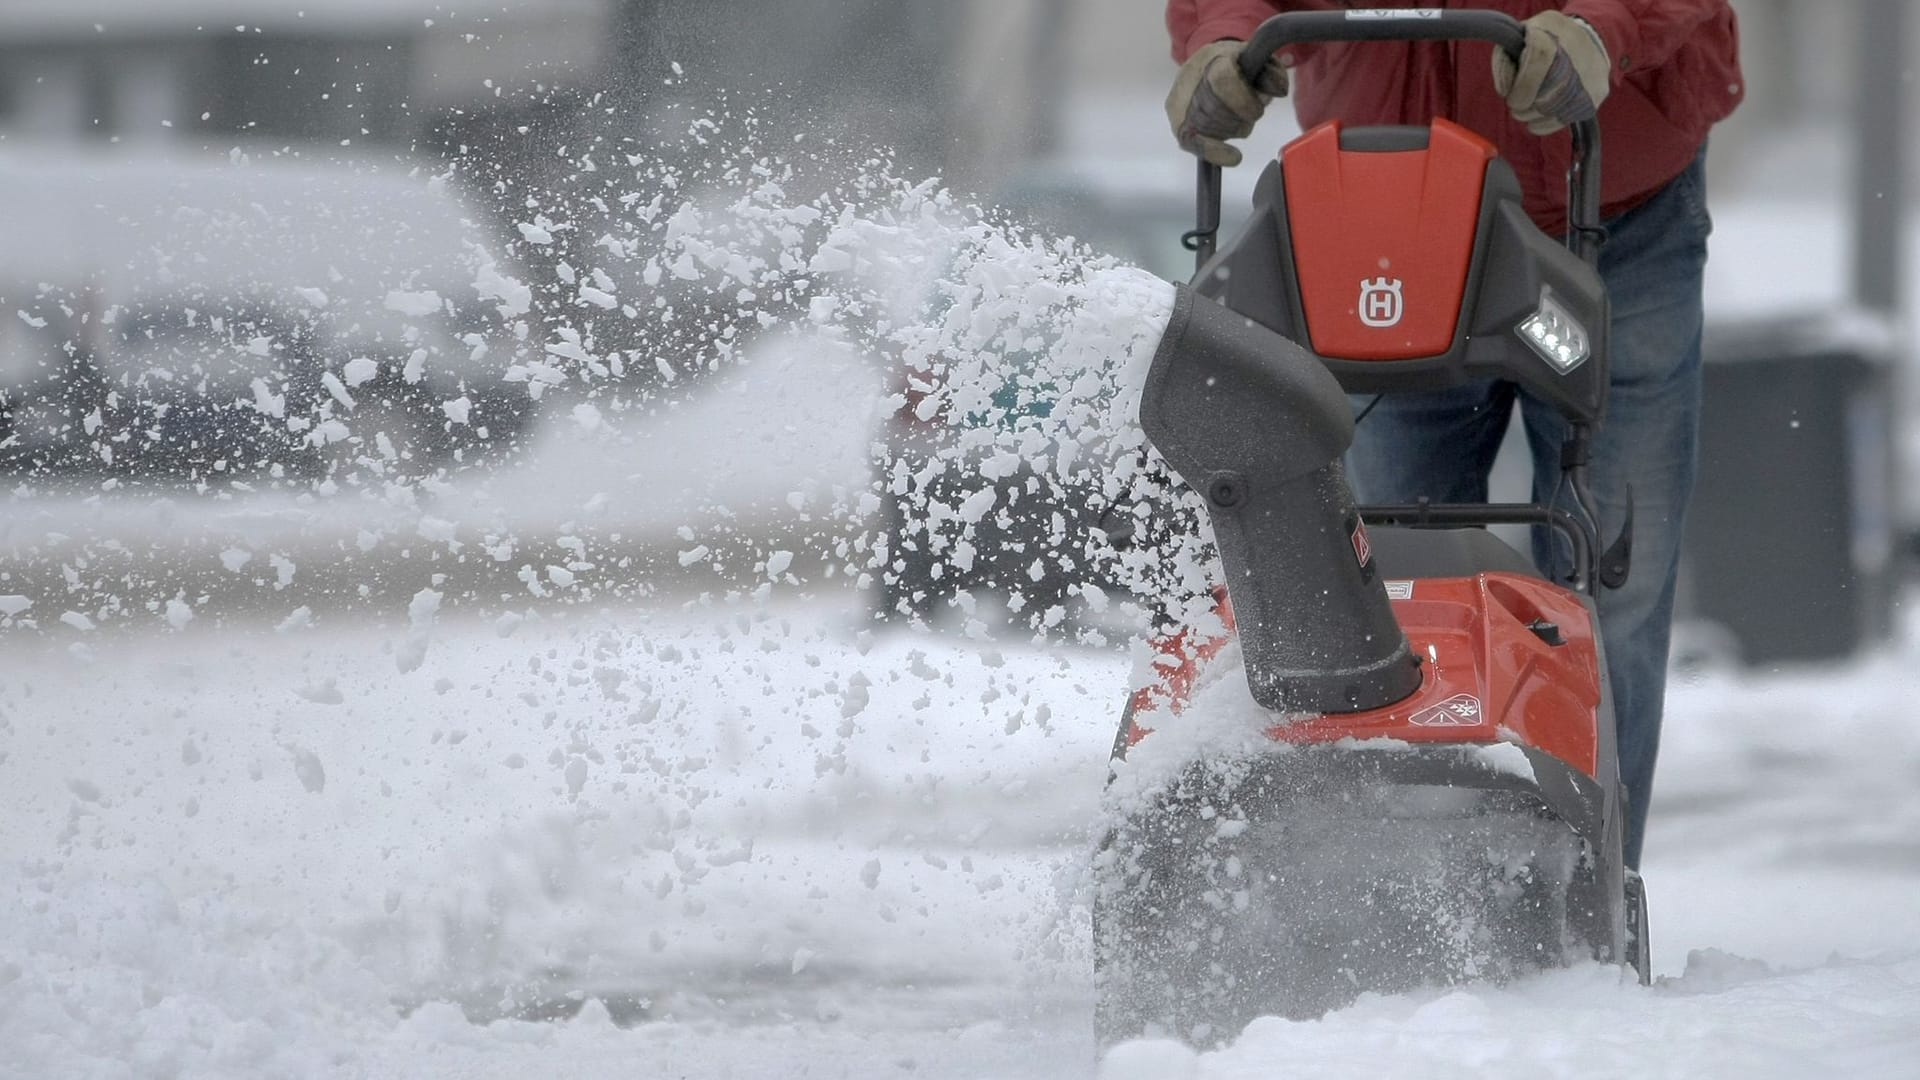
x: 1058, y: 533
x: 193, y: 318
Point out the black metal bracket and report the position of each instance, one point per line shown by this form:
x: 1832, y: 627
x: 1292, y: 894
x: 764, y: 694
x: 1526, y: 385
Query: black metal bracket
x: 1432, y: 515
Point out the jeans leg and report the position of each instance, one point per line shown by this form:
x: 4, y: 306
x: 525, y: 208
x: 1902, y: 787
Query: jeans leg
x: 1652, y: 264
x: 1437, y: 445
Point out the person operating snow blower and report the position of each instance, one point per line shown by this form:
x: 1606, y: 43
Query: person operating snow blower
x: 1659, y: 74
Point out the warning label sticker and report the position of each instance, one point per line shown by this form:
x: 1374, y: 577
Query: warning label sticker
x: 1399, y: 590
x: 1460, y: 710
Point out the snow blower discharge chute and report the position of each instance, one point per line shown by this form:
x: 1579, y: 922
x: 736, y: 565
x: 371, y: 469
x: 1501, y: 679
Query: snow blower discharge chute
x: 1437, y: 796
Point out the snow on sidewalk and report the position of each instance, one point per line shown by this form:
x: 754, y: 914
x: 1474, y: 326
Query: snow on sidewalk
x: 754, y: 842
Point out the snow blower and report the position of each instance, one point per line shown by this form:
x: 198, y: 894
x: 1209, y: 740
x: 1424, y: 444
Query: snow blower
x: 1430, y: 793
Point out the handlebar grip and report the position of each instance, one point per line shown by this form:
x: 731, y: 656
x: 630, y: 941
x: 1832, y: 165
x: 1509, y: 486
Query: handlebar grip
x: 1410, y: 24
x: 1378, y: 24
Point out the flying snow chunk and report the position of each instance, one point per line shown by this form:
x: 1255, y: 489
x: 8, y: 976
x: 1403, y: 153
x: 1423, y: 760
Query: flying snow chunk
x: 76, y: 620
x: 854, y: 701
x: 314, y: 297
x: 328, y: 433
x: 266, y: 401
x: 423, y: 608
x: 360, y: 369
x: 297, y: 619
x: 830, y: 260
x: 534, y: 234
x: 235, y: 558
x: 586, y: 416
x: 977, y: 504
x: 598, y: 298
x: 307, y: 767
x: 515, y: 296
x: 694, y: 554
x: 179, y: 614
x: 336, y: 389
x: 416, y: 304
x: 325, y: 693
x: 560, y: 576
x: 12, y: 605
x: 421, y: 612
x: 458, y: 409
x: 778, y: 562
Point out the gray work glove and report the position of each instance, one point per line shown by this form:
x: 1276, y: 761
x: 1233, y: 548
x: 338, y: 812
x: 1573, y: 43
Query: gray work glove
x: 1210, y: 103
x: 1562, y: 76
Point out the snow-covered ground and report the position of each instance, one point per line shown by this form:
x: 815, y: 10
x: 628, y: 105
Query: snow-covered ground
x: 721, y: 841
x: 675, y: 833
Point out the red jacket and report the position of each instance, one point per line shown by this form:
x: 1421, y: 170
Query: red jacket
x: 1676, y: 71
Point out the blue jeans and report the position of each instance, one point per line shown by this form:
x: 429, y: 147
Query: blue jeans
x: 1441, y: 446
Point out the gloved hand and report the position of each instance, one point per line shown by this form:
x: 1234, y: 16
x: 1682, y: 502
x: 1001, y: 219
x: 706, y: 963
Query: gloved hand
x: 1210, y: 103
x: 1562, y: 76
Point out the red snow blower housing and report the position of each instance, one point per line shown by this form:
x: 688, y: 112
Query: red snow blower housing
x: 1437, y: 796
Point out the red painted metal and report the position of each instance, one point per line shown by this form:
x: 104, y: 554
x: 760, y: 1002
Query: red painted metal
x: 1382, y: 240
x: 1487, y: 677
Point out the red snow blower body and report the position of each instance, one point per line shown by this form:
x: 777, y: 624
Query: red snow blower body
x: 1437, y: 798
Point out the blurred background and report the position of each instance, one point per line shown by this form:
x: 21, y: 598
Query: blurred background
x: 190, y: 187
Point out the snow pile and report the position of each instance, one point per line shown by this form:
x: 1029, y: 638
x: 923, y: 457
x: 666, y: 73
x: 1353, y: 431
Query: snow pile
x: 1723, y: 1017
x: 1220, y: 724
x: 665, y: 834
x: 725, y: 817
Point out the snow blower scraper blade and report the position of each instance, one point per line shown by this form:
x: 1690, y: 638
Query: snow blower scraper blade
x: 1289, y: 885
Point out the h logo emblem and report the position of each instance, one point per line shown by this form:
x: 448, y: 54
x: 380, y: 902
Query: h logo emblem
x: 1380, y: 304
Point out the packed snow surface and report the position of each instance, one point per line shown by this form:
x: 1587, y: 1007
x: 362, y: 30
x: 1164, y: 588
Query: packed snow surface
x: 737, y: 841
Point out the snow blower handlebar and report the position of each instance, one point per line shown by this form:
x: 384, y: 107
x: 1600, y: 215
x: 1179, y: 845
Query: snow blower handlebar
x: 1412, y: 24
x: 1584, y: 232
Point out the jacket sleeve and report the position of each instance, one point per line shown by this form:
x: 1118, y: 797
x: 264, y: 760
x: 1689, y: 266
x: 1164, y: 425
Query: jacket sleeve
x: 1644, y: 34
x: 1193, y: 23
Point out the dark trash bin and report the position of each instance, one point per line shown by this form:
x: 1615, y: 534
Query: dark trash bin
x: 1789, y: 544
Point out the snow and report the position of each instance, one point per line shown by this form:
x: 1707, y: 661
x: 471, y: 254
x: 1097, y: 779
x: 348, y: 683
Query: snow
x: 360, y: 369
x: 213, y: 873
x: 187, y: 229
x: 384, y: 850
x: 416, y: 303
x: 720, y: 824
x: 1721, y: 1017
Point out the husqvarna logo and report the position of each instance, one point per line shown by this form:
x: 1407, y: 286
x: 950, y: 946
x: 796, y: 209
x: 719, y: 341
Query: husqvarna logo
x: 1380, y: 304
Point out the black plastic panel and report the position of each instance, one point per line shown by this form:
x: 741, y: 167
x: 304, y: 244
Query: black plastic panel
x: 1255, y: 274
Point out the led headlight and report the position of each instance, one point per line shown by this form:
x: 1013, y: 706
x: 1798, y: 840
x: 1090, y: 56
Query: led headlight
x: 1556, y: 335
